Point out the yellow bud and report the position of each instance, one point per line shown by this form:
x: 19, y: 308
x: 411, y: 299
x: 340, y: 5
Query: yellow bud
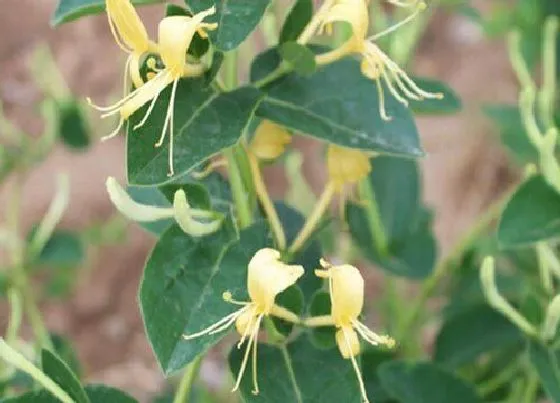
x: 267, y: 277
x: 346, y: 165
x: 270, y: 140
x: 347, y: 342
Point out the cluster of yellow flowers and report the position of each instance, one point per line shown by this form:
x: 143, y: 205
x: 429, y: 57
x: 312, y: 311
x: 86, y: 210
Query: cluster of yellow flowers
x: 267, y: 277
x: 176, y: 34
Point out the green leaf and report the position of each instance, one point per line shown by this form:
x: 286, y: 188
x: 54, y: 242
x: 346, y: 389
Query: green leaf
x: 296, y: 21
x: 95, y: 393
x: 423, y: 382
x: 299, y: 373
x: 64, y: 349
x: 72, y: 126
x: 547, y: 363
x: 299, y: 57
x: 322, y: 337
x: 70, y: 10
x: 206, y: 122
x: 236, y: 19
x: 185, y: 278
x: 336, y: 104
x: 512, y: 132
x: 411, y: 243
x: 451, y: 103
x: 531, y: 215
x: 464, y: 337
x: 371, y: 359
x: 292, y: 300
x: 59, y: 372
x: 63, y: 249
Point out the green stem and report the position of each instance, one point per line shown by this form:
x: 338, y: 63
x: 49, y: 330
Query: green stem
x: 446, y: 266
x: 20, y: 362
x: 240, y: 197
x: 367, y: 195
x: 492, y: 384
x: 184, y: 390
x: 16, y: 315
x: 275, y: 74
x: 239, y: 192
x: 531, y: 388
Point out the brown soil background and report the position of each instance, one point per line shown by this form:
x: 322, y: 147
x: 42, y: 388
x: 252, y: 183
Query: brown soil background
x: 464, y: 170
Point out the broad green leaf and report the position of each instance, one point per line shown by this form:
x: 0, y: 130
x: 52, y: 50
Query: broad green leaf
x: 70, y: 10
x: 547, y: 363
x: 186, y: 278
x: 407, y: 226
x: 95, y: 393
x: 206, y: 122
x: 59, y: 372
x: 531, y: 215
x: 299, y: 57
x: 65, y: 350
x: 464, y: 337
x: 423, y: 382
x: 451, y: 103
x: 236, y: 19
x: 72, y: 126
x: 371, y: 359
x: 106, y: 394
x: 64, y: 249
x: 296, y: 21
x: 336, y: 104
x: 512, y: 132
x: 298, y: 373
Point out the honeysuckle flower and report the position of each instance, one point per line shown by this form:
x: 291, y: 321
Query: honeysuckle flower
x: 174, y: 38
x: 130, y: 34
x: 270, y: 140
x: 267, y: 277
x: 195, y: 222
x: 375, y: 65
x: 346, y: 288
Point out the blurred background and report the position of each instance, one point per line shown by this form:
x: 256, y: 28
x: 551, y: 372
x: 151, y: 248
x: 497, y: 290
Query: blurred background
x: 464, y: 170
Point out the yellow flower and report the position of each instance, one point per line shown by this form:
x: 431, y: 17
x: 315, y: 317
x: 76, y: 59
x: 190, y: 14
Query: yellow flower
x: 174, y: 39
x: 130, y: 34
x: 267, y: 277
x: 346, y: 287
x: 270, y: 140
x: 346, y: 165
x: 194, y: 222
x: 375, y: 65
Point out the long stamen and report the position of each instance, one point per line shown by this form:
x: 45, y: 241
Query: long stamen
x: 125, y: 75
x: 229, y: 318
x: 356, y: 367
x: 148, y: 112
x: 226, y: 296
x: 253, y: 335
x: 381, y: 96
x: 248, y: 328
x: 372, y: 337
x: 402, y: 86
x: 392, y: 88
x: 394, y: 67
x: 255, y: 345
x: 114, y: 132
x: 171, y: 135
x: 421, y: 7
